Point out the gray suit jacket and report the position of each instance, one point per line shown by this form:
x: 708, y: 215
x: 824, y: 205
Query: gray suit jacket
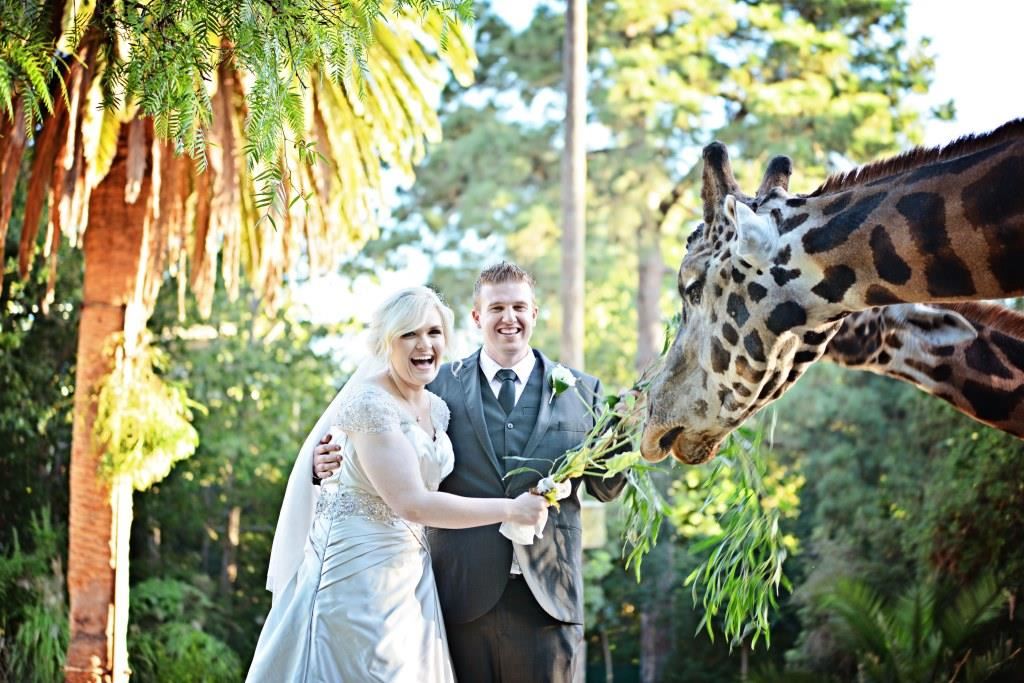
x: 471, y: 566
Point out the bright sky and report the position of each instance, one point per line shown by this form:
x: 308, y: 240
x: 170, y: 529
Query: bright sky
x: 978, y: 54
x: 978, y: 48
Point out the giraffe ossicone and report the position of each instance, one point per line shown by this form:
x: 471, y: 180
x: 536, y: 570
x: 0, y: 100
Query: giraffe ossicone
x: 767, y: 280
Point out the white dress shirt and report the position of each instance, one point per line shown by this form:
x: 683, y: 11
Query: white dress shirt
x: 522, y: 369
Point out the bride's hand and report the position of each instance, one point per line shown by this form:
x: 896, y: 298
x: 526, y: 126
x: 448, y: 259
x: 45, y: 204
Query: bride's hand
x: 528, y: 509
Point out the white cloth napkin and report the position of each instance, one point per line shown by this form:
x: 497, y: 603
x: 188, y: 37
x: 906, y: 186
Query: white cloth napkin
x: 523, y: 534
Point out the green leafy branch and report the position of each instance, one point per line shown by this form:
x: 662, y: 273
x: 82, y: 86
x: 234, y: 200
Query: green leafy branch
x: 743, y: 572
x: 611, y: 448
x: 27, y: 61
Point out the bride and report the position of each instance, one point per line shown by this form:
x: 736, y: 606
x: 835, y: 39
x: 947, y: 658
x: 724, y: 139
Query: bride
x: 354, y: 595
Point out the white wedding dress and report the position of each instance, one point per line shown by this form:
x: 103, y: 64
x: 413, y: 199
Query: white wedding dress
x: 363, y: 606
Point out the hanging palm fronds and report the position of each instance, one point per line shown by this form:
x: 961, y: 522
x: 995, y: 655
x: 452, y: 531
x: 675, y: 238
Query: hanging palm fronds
x: 276, y: 124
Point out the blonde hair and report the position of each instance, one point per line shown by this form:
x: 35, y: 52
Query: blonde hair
x: 405, y: 311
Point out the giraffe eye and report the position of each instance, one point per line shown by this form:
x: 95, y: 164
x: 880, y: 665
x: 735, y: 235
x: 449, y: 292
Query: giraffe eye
x: 693, y: 291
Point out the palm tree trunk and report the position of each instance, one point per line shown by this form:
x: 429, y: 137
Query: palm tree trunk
x: 100, y: 513
x: 574, y: 182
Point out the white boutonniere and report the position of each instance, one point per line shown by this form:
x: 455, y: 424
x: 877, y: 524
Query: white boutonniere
x: 561, y: 379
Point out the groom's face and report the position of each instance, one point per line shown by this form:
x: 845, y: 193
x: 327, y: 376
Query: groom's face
x: 506, y: 313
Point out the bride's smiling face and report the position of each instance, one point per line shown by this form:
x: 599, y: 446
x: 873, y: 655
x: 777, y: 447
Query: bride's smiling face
x: 415, y: 356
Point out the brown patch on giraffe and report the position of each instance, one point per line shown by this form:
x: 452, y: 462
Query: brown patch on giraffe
x: 730, y: 334
x: 805, y: 356
x: 745, y: 371
x: 814, y: 338
x: 786, y: 316
x: 981, y: 358
x: 945, y: 273
x: 719, y: 357
x: 700, y: 408
x: 837, y: 204
x: 893, y: 341
x: 880, y: 296
x: 754, y: 346
x: 756, y: 291
x: 839, y: 228
x: 837, y: 281
x: 782, y: 275
x: 849, y: 348
x: 996, y: 197
x: 769, y: 386
x: 995, y: 203
x: 1013, y: 349
x: 938, y: 373
x: 889, y: 265
x: 990, y: 403
x: 737, y: 309
x: 914, y: 158
x: 793, y: 222
x: 741, y: 389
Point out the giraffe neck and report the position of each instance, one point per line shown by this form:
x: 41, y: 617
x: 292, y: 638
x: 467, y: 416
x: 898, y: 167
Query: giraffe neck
x: 981, y: 376
x: 951, y: 229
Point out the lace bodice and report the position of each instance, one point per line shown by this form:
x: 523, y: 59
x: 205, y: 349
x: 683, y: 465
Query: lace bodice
x: 371, y: 409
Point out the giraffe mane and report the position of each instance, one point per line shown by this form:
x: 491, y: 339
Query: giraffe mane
x: 919, y: 156
x: 1005, y: 320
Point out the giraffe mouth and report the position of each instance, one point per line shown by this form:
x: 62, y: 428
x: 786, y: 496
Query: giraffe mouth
x: 658, y: 442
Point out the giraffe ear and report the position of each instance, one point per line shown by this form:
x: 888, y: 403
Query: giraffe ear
x: 755, y: 236
x: 935, y: 326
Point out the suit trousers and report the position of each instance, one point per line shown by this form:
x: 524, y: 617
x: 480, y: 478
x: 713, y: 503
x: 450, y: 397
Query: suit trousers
x: 517, y: 642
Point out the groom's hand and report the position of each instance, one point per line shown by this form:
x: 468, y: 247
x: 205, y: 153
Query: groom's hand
x: 326, y: 458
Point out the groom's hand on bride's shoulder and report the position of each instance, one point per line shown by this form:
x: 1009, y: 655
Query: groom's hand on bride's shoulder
x: 326, y: 458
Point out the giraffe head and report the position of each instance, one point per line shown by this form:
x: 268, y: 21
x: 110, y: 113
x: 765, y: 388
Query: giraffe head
x: 724, y: 365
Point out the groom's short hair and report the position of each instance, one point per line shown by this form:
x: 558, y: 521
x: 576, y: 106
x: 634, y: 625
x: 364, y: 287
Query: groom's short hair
x: 500, y: 273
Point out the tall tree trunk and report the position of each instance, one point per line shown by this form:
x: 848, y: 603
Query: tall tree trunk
x: 650, y: 268
x: 574, y: 182
x: 229, y: 553
x: 99, y: 513
x: 606, y: 651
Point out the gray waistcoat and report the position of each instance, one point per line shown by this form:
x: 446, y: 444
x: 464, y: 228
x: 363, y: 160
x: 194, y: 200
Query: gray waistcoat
x: 509, y: 433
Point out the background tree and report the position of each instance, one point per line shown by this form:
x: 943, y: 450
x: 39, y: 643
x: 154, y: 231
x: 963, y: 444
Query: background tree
x: 574, y: 182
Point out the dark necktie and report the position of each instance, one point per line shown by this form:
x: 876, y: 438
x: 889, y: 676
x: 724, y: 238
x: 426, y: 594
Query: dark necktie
x: 507, y: 394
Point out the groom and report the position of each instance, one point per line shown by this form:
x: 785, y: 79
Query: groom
x: 512, y: 612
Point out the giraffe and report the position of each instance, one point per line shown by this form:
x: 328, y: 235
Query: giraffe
x: 970, y: 355
x: 767, y: 281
